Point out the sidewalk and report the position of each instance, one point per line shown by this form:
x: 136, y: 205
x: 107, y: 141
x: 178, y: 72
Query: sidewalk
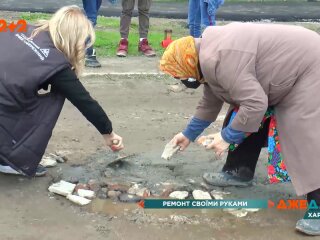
x: 138, y: 65
x: 249, y: 11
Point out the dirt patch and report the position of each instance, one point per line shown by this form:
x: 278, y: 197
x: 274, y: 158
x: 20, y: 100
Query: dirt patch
x: 147, y: 115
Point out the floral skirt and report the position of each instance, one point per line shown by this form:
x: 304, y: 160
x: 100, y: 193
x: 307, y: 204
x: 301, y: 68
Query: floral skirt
x: 277, y: 171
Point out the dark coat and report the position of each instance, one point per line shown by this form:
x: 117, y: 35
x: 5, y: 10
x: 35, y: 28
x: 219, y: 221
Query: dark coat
x: 27, y: 119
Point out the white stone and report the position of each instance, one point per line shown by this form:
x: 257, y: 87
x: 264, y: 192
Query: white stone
x: 252, y: 209
x: 58, y: 158
x: 134, y: 189
x: 179, y: 218
x: 175, y: 88
x: 218, y: 195
x: 179, y: 194
x: 86, y: 193
x: 48, y: 162
x: 236, y: 212
x: 62, y: 188
x: 169, y: 150
x: 143, y: 192
x: 78, y: 200
x: 200, y: 195
x: 204, y: 140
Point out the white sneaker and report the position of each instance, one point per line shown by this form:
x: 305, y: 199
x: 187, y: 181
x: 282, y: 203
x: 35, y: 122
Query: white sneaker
x: 40, y: 172
x: 8, y: 170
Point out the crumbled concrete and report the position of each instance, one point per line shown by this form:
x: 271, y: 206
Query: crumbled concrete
x: 48, y: 162
x: 113, y: 194
x: 200, y: 195
x: 179, y: 194
x: 169, y: 150
x: 86, y: 193
x: 62, y: 188
x: 78, y: 200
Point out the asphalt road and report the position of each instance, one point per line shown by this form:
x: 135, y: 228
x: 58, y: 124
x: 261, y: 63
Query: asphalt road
x: 283, y: 11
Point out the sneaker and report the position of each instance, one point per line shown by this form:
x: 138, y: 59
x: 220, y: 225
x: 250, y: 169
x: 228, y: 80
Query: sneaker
x: 145, y: 48
x: 91, y: 60
x: 228, y: 179
x: 41, y: 171
x: 309, y: 226
x: 123, y: 48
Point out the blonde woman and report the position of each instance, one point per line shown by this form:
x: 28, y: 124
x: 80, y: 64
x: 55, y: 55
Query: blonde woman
x: 50, y: 53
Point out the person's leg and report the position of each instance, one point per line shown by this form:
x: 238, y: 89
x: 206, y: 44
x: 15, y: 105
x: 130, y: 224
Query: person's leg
x: 125, y: 21
x: 91, y: 8
x: 247, y: 153
x: 191, y: 16
x: 194, y: 18
x: 207, y: 14
x: 241, y: 163
x: 310, y: 226
x: 197, y: 21
x: 143, y: 8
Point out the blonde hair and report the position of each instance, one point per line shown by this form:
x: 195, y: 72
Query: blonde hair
x: 71, y: 33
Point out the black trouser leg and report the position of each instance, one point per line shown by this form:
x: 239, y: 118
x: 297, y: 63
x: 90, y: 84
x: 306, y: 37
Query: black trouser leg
x: 3, y: 163
x: 315, y: 195
x: 247, y: 153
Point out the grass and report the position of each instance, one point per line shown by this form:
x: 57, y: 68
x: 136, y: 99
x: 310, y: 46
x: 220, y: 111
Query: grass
x: 33, y: 17
x: 108, y: 36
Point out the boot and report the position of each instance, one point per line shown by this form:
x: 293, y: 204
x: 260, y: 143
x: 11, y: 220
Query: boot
x: 237, y: 178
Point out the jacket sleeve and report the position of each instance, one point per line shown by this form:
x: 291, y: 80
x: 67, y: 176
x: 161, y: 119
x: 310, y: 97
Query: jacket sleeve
x: 236, y: 74
x: 66, y: 83
x: 209, y: 106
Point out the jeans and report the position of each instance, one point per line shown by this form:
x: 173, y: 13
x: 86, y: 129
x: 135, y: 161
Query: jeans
x: 194, y: 18
x: 208, y: 17
x: 91, y: 7
x: 201, y: 14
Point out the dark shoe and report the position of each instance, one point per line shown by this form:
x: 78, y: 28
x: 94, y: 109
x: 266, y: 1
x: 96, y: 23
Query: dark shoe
x: 41, y: 171
x: 309, y: 226
x: 229, y: 178
x: 123, y: 48
x: 91, y: 60
x: 145, y: 48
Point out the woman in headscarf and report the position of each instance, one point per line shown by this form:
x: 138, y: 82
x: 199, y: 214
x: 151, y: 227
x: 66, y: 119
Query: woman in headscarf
x: 270, y: 76
x: 50, y: 53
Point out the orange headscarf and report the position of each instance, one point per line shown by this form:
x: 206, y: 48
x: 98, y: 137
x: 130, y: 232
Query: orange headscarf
x: 181, y: 59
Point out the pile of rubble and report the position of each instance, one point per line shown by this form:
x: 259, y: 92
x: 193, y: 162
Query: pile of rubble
x: 104, y: 186
x: 82, y: 194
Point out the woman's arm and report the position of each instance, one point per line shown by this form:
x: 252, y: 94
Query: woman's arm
x: 209, y: 106
x: 66, y: 83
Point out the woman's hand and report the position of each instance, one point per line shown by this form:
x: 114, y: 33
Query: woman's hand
x: 218, y: 145
x: 181, y: 140
x: 114, y: 141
